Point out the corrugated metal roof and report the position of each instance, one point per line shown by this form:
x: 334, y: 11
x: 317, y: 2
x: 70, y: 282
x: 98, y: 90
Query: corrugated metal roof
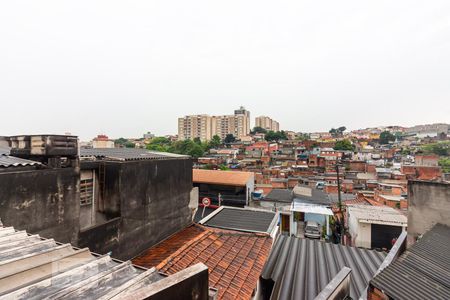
x: 127, y: 154
x: 7, y: 161
x: 422, y: 272
x: 301, y: 268
x: 241, y: 219
x: 35, y: 268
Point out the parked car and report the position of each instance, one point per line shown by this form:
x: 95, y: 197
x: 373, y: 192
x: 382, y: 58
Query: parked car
x: 312, y: 230
x: 320, y: 185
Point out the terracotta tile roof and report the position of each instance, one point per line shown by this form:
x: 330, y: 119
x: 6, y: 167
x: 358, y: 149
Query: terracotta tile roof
x: 355, y: 201
x: 235, y: 178
x: 155, y: 255
x: 373, y: 202
x: 234, y: 259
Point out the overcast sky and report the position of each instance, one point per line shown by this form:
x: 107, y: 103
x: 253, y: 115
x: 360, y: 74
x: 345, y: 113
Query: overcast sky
x: 126, y: 67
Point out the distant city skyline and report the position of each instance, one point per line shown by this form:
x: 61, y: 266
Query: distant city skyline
x: 123, y: 69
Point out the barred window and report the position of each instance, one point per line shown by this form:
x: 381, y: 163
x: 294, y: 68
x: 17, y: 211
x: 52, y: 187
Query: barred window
x: 86, y: 191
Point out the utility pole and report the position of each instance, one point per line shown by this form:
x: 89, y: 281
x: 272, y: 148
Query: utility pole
x: 341, y: 227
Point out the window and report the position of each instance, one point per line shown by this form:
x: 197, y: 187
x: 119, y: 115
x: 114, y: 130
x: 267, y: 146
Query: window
x: 86, y: 191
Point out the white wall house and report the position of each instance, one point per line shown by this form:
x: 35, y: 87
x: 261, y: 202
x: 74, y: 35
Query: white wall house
x: 375, y: 226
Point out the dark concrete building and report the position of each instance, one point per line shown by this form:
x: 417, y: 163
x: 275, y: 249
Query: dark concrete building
x: 428, y: 204
x: 119, y: 200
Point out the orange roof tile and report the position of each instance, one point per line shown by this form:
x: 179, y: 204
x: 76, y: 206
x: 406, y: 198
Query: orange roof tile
x: 153, y: 256
x: 234, y: 178
x: 234, y: 259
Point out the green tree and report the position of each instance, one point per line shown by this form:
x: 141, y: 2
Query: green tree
x: 215, y: 142
x: 223, y: 167
x: 129, y: 145
x: 386, y: 137
x: 344, y: 145
x: 229, y: 138
x: 187, y: 147
x: 441, y: 148
x: 272, y: 136
x: 258, y: 129
x: 161, y: 144
x: 120, y: 141
x: 333, y: 132
x: 444, y: 163
x: 337, y: 132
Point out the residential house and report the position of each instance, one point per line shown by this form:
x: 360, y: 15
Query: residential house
x: 375, y: 227
x: 233, y: 243
x: 233, y: 188
x: 89, y: 200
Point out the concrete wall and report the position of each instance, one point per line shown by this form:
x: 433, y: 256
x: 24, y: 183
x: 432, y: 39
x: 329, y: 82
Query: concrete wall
x: 364, y: 236
x: 45, y: 202
x: 87, y: 211
x: 361, y: 232
x: 429, y: 203
x: 101, y: 238
x: 144, y: 202
x: 190, y: 283
x: 151, y: 199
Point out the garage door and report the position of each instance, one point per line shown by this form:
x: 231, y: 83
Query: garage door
x: 382, y: 235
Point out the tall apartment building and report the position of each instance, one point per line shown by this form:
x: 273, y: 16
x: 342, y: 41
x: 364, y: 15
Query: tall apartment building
x: 242, y: 119
x: 196, y: 126
x: 205, y: 126
x: 267, y: 123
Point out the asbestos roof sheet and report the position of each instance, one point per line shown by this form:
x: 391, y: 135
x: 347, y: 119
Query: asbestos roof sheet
x: 241, y: 219
x: 280, y: 195
x: 422, y: 272
x: 311, y: 208
x: 230, y: 178
x: 7, y: 161
x: 301, y: 268
x: 392, y: 197
x: 127, y: 154
x: 35, y: 268
x: 234, y: 259
x: 377, y: 214
x: 311, y: 195
x: 366, y: 176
